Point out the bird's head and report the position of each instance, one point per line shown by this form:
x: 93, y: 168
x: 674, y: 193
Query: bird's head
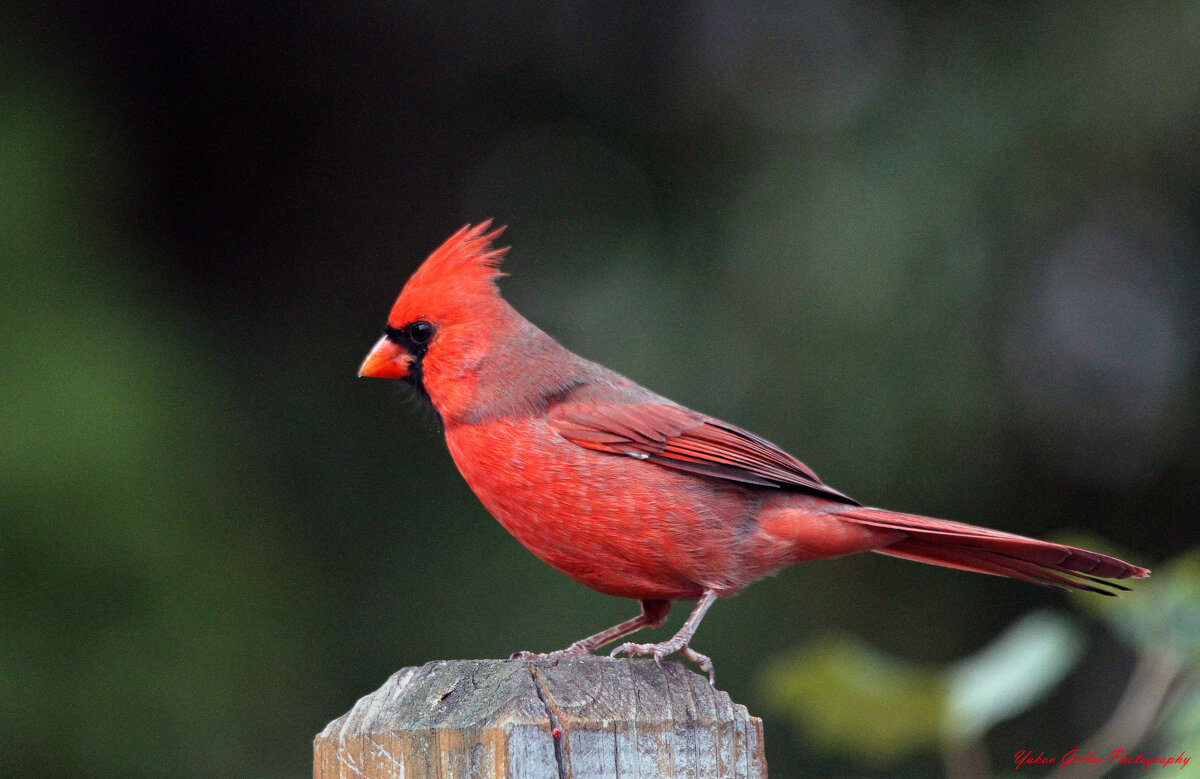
x: 445, y: 317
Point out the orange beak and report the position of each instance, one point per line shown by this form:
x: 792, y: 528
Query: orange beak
x: 386, y: 360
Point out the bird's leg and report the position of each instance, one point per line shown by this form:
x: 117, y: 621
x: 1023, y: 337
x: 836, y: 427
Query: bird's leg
x: 679, y: 642
x: 654, y: 613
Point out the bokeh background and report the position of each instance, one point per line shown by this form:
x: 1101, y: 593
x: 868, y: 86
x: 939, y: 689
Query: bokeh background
x: 947, y: 254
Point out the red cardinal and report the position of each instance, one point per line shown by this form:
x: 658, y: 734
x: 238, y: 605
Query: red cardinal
x: 632, y: 494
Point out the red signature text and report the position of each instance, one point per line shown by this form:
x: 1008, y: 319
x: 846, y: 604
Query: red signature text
x: 1027, y: 757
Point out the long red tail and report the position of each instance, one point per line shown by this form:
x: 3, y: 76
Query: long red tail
x: 979, y: 549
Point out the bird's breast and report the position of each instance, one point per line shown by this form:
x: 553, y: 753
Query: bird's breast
x: 617, y: 524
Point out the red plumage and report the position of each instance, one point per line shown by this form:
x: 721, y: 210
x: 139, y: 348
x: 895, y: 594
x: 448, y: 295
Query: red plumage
x: 632, y: 494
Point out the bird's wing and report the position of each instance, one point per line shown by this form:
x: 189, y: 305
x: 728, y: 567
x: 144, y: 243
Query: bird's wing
x: 677, y: 437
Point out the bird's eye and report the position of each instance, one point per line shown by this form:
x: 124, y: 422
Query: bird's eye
x: 420, y: 331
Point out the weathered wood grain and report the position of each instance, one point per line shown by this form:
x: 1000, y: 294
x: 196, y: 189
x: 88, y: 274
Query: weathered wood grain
x: 498, y: 718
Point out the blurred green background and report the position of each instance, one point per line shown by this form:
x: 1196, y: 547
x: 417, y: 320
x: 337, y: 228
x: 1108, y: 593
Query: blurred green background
x: 947, y: 254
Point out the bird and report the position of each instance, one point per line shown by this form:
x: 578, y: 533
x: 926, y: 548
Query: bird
x: 632, y: 494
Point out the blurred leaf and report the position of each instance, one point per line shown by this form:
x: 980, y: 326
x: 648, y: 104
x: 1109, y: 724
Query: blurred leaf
x: 847, y: 697
x: 1010, y: 674
x: 850, y: 698
x: 1182, y: 724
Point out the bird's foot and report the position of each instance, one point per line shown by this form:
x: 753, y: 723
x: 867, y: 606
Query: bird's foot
x: 669, y: 647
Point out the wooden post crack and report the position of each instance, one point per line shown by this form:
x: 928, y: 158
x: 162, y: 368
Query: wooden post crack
x: 562, y: 737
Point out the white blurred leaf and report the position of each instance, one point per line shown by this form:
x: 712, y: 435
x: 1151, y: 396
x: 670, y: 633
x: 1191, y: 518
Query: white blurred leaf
x: 1011, y: 674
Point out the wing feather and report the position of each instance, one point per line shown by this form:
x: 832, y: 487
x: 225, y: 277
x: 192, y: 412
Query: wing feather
x: 676, y: 437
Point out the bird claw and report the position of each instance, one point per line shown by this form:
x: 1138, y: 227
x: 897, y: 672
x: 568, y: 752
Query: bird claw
x: 659, y: 651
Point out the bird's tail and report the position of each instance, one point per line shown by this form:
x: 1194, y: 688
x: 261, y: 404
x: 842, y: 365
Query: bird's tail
x: 971, y: 548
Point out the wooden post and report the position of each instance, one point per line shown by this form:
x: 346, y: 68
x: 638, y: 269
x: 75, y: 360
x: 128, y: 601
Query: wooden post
x: 587, y: 718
